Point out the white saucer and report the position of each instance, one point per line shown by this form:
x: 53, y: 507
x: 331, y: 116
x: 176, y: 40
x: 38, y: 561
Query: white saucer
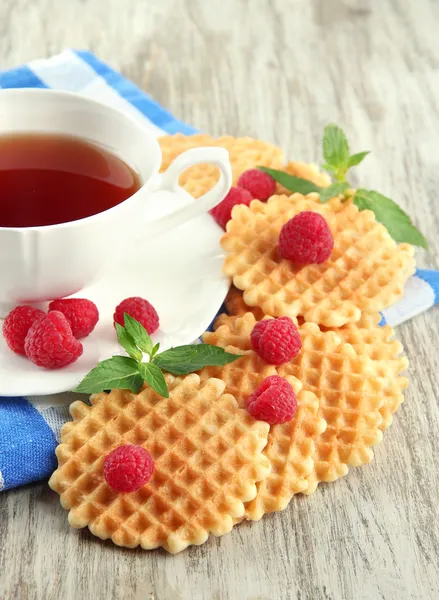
x: 179, y: 273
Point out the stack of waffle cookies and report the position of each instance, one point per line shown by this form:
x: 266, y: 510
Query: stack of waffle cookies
x: 215, y: 465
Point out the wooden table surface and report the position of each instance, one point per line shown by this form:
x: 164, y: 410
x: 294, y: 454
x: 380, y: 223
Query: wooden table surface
x: 278, y: 70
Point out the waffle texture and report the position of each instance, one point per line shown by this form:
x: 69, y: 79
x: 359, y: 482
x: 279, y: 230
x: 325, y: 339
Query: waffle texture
x: 377, y: 342
x: 245, y: 153
x: 355, y: 372
x: 208, y: 459
x: 366, y: 271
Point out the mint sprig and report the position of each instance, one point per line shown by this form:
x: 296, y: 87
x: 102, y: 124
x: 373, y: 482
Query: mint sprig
x: 338, y: 159
x: 130, y: 373
x: 337, y: 154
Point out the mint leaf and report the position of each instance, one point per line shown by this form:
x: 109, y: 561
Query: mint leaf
x: 330, y: 169
x: 335, y: 189
x: 155, y: 350
x: 335, y: 148
x: 356, y: 159
x: 292, y: 183
x: 154, y: 378
x: 187, y: 359
x: 127, y: 343
x: 117, y: 372
x: 387, y: 212
x: 138, y: 333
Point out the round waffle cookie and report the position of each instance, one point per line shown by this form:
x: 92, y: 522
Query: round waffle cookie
x: 367, y: 270
x: 245, y: 153
x: 291, y: 446
x: 208, y: 459
x: 357, y: 383
x: 291, y: 451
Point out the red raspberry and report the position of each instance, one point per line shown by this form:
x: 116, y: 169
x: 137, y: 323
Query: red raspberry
x: 273, y: 401
x: 50, y: 343
x: 128, y: 468
x: 81, y: 314
x: 17, y: 324
x: 306, y: 239
x: 276, y: 341
x: 139, y: 309
x: 223, y: 212
x: 261, y: 185
x: 258, y: 330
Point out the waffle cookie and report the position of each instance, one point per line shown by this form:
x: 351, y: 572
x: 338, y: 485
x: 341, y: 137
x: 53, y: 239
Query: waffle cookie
x: 245, y: 153
x: 357, y: 383
x: 366, y: 271
x: 291, y: 452
x: 291, y: 446
x: 208, y: 459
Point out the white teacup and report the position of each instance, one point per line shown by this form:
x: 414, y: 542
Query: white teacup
x: 43, y: 263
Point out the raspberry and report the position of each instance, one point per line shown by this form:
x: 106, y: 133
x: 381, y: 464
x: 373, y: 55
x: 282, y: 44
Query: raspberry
x: 82, y: 315
x: 258, y: 330
x: 17, y: 324
x: 306, y: 239
x: 273, y: 401
x: 139, y: 309
x: 260, y: 185
x: 276, y: 341
x: 222, y: 213
x: 128, y: 468
x: 50, y: 343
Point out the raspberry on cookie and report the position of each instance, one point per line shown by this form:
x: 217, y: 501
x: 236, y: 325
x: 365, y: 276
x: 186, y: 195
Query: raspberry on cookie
x: 276, y: 341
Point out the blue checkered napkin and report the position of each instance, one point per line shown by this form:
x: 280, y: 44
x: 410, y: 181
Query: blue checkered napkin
x: 29, y: 427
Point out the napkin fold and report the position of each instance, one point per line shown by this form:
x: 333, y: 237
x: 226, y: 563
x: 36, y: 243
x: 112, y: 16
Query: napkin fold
x: 30, y: 427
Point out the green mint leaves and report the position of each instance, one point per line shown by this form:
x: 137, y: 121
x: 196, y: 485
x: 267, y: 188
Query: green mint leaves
x: 295, y: 184
x: 186, y: 359
x: 356, y: 159
x: 336, y: 152
x: 335, y: 189
x: 117, y: 372
x: 391, y: 215
x: 128, y: 344
x: 338, y: 159
x: 129, y: 372
x: 154, y: 378
x: 138, y: 334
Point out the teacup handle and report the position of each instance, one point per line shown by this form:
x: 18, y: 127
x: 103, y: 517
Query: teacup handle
x: 169, y: 182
